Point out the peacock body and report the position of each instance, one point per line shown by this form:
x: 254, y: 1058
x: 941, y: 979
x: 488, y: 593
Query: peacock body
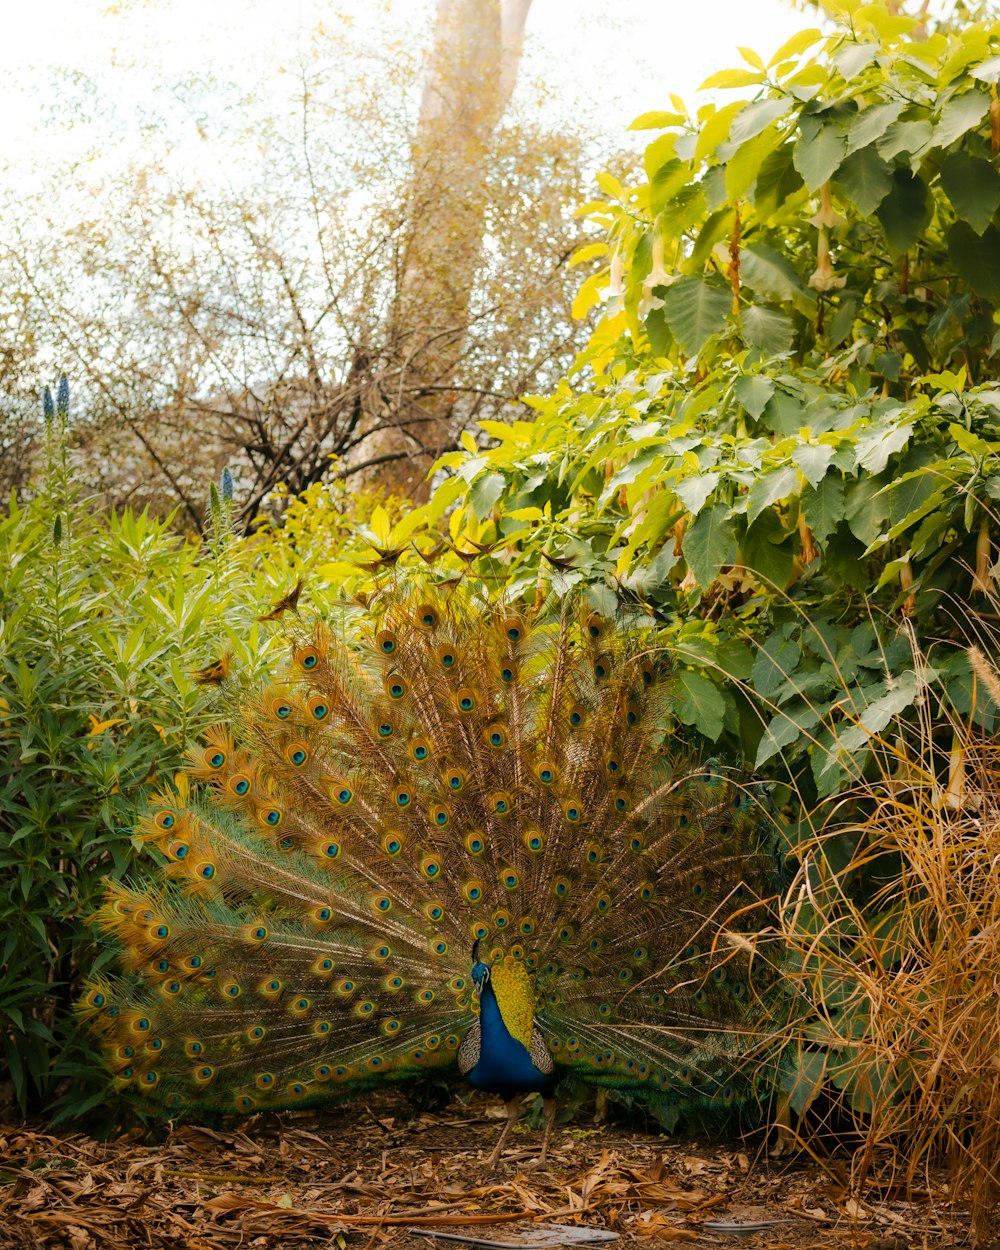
x: 447, y: 837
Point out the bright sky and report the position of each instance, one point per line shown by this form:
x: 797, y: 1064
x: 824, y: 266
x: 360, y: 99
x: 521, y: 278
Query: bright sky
x: 623, y: 57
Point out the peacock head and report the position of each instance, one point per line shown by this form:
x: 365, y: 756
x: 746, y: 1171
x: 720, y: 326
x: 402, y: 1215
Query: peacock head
x: 480, y: 971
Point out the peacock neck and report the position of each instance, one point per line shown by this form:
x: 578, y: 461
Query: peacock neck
x: 504, y: 1065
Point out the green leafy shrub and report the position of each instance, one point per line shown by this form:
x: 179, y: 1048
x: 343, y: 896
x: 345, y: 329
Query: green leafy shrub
x: 783, y: 438
x: 102, y: 618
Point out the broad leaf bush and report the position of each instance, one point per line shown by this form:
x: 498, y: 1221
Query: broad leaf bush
x: 784, y: 437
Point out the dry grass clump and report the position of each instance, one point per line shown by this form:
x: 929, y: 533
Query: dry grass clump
x: 898, y: 957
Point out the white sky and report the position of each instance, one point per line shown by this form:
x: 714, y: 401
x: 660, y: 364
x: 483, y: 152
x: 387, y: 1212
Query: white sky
x: 622, y: 57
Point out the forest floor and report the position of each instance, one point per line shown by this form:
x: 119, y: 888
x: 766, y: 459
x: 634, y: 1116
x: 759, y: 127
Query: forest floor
x: 366, y: 1175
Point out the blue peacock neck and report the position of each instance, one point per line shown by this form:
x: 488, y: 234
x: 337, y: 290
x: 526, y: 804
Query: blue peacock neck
x: 504, y: 1065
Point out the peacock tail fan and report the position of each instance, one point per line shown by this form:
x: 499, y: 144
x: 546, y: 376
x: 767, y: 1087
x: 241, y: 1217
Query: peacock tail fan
x: 442, y: 769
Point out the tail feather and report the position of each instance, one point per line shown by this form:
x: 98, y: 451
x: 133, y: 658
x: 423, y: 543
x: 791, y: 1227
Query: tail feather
x: 440, y: 771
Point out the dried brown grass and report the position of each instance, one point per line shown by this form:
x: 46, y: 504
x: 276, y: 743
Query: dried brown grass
x: 898, y: 959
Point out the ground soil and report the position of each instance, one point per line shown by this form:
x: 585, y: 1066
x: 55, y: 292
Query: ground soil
x: 365, y: 1175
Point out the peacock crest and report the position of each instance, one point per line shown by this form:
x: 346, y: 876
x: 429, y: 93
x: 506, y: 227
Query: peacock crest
x: 442, y: 784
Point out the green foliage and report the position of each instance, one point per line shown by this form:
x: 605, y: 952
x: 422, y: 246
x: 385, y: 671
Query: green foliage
x: 102, y: 618
x: 784, y: 434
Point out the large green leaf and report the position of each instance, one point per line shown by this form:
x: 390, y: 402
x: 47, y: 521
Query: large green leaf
x: 766, y: 328
x: 709, y: 543
x: 866, y: 179
x: 753, y: 391
x: 767, y: 550
x: 700, y: 703
x: 813, y: 459
x: 775, y: 663
x: 817, y: 157
x: 871, y: 124
x: 905, y: 211
x: 777, y: 180
x: 824, y: 506
x: 696, y: 308
x: 906, y: 136
x: 752, y: 121
x: 960, y: 114
x: 769, y: 488
x: 976, y: 257
x: 770, y: 274
x: 484, y: 493
x: 973, y: 186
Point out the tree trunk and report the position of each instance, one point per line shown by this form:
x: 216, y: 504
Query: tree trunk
x: 470, y: 77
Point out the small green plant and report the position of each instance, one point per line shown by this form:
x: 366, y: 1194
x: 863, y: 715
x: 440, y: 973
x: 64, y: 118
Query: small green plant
x: 102, y: 619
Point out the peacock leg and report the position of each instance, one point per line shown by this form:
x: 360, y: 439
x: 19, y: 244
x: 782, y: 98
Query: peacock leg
x: 513, y: 1110
x: 550, y: 1115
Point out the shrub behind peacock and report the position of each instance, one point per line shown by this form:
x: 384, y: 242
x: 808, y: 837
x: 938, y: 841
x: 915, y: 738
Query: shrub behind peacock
x: 447, y: 837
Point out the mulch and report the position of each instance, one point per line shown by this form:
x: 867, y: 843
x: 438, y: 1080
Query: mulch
x: 365, y: 1175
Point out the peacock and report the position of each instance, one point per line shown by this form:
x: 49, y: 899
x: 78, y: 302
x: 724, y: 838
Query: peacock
x: 448, y: 836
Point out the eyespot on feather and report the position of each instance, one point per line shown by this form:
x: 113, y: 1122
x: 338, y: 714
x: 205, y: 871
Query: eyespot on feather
x: 495, y: 735
x: 238, y: 784
x: 395, y: 686
x: 447, y: 655
x: 319, y: 709
x: 454, y: 779
x: 307, y: 658
x: 297, y: 754
x: 213, y: 758
x: 602, y: 667
x: 420, y: 750
x: 513, y: 630
x: 465, y: 700
x: 281, y: 707
x: 386, y: 642
x: 427, y: 615
x: 500, y: 803
x: 595, y: 627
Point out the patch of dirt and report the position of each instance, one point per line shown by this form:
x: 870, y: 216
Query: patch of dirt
x: 363, y: 1175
